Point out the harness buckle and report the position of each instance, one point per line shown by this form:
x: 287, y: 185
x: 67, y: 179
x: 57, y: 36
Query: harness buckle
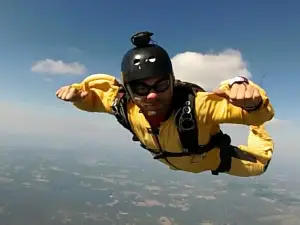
x: 185, y: 120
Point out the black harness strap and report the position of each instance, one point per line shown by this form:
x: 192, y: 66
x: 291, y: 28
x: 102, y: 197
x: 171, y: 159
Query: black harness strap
x: 119, y: 110
x: 184, y: 105
x: 226, y: 156
x: 200, y: 149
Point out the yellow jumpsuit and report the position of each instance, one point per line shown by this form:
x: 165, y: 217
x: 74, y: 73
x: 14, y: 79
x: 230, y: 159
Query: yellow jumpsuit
x: 211, y: 110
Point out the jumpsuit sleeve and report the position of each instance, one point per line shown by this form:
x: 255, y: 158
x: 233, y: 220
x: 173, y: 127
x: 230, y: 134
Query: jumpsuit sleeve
x: 102, y: 89
x: 261, y: 146
x: 217, y: 110
x: 213, y: 109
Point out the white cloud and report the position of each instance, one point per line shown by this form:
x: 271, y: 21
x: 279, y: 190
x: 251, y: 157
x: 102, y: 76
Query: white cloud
x: 208, y: 70
x: 51, y: 66
x: 60, y: 128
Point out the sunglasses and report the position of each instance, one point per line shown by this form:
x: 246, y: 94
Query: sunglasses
x: 143, y: 89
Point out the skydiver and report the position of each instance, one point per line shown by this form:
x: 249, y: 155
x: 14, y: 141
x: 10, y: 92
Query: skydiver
x: 179, y: 122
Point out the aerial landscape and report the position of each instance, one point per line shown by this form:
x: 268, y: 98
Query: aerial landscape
x: 91, y: 187
x: 213, y: 83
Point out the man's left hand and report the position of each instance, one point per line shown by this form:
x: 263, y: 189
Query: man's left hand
x: 242, y: 95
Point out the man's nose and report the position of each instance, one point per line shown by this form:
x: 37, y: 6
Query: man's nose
x: 151, y: 96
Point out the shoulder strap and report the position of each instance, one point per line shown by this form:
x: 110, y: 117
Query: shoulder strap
x: 119, y: 110
x: 184, y: 106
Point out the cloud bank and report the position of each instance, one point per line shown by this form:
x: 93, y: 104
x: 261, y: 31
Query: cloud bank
x: 53, y: 67
x: 58, y: 127
x: 208, y: 70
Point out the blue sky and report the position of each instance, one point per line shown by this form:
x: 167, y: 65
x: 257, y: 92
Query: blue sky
x: 96, y: 34
x: 265, y: 32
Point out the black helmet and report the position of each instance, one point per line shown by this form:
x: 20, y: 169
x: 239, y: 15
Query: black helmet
x: 145, y: 60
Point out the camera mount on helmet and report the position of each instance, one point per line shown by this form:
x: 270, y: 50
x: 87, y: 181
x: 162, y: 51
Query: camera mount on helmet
x: 136, y: 63
x: 141, y: 39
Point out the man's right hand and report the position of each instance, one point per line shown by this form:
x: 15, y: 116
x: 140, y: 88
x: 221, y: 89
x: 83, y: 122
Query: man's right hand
x: 70, y: 94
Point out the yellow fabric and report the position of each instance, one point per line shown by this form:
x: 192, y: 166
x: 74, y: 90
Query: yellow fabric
x: 211, y: 110
x: 102, y: 92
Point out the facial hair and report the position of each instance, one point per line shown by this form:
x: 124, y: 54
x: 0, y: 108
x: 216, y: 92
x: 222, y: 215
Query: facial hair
x: 145, y: 107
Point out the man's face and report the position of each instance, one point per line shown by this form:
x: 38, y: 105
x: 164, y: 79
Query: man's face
x: 152, y: 95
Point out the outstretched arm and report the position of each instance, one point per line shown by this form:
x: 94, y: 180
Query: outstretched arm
x: 101, y: 91
x: 215, y: 109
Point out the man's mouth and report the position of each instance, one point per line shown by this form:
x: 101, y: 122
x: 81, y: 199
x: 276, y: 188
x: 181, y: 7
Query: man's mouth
x: 152, y: 106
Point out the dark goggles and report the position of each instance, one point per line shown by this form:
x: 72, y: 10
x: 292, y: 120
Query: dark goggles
x: 142, y: 89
